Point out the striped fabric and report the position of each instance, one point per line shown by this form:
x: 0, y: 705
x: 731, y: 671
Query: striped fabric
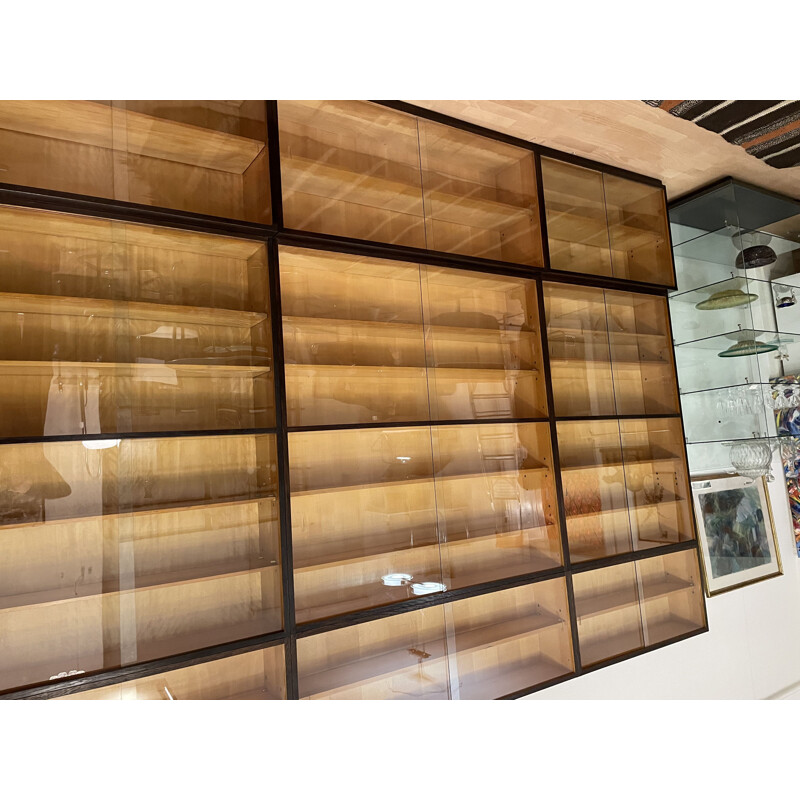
x: 767, y: 129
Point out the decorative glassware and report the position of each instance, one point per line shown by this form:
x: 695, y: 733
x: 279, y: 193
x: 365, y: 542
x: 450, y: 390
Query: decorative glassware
x: 752, y: 459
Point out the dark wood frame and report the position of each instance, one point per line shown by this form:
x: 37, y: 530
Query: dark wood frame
x: 272, y: 236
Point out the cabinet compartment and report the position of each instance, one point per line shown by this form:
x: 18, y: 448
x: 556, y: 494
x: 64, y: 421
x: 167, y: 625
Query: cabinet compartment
x: 142, y: 549
x: 630, y: 606
x: 625, y: 485
x: 259, y: 675
x: 383, y: 515
x: 352, y: 168
x: 602, y: 224
x: 480, y: 196
x: 480, y: 648
x: 610, y: 352
x: 397, y: 658
x: 204, y: 156
x: 509, y: 640
x: 607, y: 607
x: 110, y: 327
x: 672, y: 596
x: 368, y: 340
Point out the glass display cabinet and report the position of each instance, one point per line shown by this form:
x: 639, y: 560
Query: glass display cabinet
x: 735, y: 319
x: 333, y: 399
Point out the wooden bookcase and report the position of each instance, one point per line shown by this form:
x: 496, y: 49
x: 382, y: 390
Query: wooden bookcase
x: 450, y: 464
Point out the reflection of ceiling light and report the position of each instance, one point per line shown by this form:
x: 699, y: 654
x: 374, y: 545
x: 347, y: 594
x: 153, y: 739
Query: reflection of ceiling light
x: 427, y: 587
x: 100, y: 444
x: 396, y: 579
x: 404, y: 458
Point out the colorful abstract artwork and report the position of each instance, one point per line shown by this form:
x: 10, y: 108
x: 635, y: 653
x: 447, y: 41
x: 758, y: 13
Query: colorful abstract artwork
x: 788, y: 422
x: 737, y: 535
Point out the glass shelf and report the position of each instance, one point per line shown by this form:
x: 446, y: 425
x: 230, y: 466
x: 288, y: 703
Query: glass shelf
x: 700, y: 367
x: 711, y: 258
x: 761, y: 313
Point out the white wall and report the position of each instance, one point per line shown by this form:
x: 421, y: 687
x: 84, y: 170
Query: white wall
x: 752, y: 649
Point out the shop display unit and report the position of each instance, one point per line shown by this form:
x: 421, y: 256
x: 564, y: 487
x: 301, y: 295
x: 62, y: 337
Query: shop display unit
x: 736, y: 322
x: 329, y: 399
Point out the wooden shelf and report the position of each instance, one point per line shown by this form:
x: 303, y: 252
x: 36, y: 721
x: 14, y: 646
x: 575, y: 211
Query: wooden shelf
x: 486, y: 541
x: 397, y: 662
x: 48, y: 305
x: 337, y: 183
x: 491, y: 685
x: 601, y: 648
x: 71, y: 229
x: 143, y: 372
x: 624, y: 598
x: 104, y: 631
x: 165, y: 580
x: 669, y: 628
x: 59, y: 551
x: 101, y: 125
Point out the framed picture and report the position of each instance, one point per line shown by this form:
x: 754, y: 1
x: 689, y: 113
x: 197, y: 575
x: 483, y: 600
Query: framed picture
x: 736, y: 531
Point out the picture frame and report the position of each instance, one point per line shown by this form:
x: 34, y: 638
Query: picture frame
x: 736, y: 532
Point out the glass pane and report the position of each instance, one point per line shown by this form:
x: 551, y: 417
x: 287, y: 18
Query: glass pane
x: 117, y: 551
x: 483, y: 346
x: 637, y: 219
x: 672, y: 595
x: 593, y: 477
x: 353, y: 339
x: 641, y: 354
x: 495, y: 501
x: 580, y: 356
x: 108, y: 327
x: 480, y: 196
x: 259, y: 675
x: 577, y: 228
x: 363, y: 519
x: 204, y: 156
x: 609, y: 616
x: 657, y: 482
x: 403, y: 657
x: 351, y: 168
x: 507, y: 641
